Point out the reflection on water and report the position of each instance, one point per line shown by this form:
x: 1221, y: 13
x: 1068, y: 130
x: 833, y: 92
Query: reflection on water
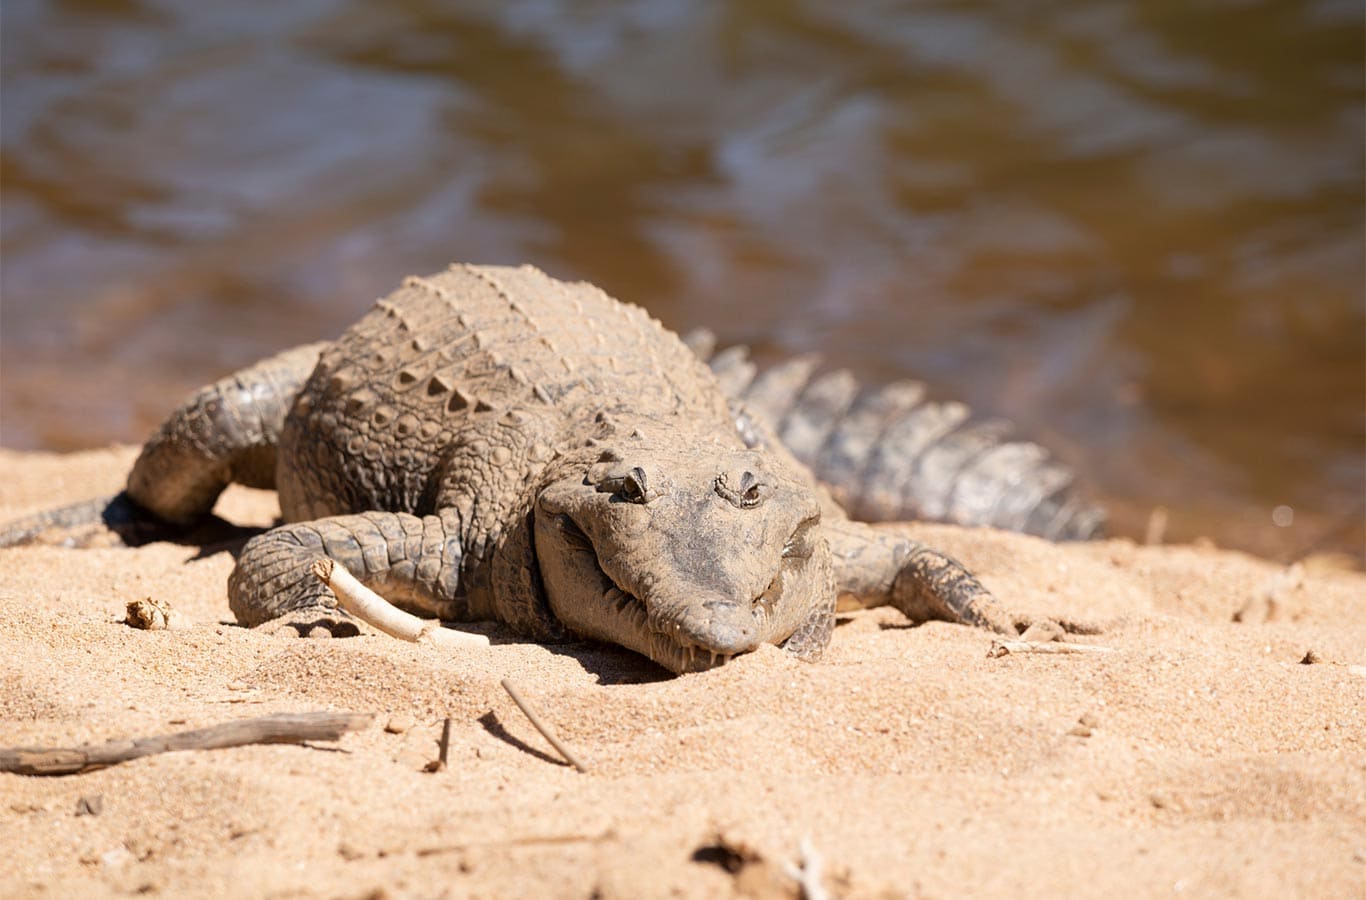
x: 1134, y: 228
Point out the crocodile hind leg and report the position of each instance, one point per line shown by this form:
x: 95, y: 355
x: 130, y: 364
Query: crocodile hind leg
x: 413, y: 561
x: 225, y: 433
x: 880, y: 567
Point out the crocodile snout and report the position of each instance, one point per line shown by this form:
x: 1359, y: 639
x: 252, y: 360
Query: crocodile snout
x: 724, y: 627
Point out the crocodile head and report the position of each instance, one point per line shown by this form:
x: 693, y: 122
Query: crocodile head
x: 688, y: 552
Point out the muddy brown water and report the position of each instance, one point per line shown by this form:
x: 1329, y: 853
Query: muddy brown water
x: 1136, y: 229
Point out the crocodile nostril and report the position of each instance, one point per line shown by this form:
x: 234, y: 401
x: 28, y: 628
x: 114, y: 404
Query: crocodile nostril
x: 744, y: 490
x: 729, y: 639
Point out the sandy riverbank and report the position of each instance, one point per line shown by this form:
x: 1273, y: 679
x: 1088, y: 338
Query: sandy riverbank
x: 1202, y: 757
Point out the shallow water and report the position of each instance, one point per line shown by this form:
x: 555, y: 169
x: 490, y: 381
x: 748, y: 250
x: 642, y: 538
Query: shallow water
x: 1134, y: 228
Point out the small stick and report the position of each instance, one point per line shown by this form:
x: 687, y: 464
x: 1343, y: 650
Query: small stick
x: 1002, y: 647
x: 439, y: 764
x: 445, y: 748
x: 371, y: 608
x: 283, y: 728
x: 1265, y: 605
x: 808, y: 874
x: 541, y: 726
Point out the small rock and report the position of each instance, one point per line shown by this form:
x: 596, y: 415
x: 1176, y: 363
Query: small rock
x: 119, y: 856
x: 1043, y: 631
x: 90, y: 805
x: 152, y: 615
x: 399, y: 723
x: 1311, y: 657
x: 1085, y: 725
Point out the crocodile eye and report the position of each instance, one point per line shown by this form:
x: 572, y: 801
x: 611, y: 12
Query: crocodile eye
x: 633, y: 487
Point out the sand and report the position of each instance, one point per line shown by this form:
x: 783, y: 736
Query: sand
x: 1202, y: 757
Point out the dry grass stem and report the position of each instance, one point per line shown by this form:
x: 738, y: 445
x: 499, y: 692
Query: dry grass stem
x: 1004, y: 647
x: 541, y: 726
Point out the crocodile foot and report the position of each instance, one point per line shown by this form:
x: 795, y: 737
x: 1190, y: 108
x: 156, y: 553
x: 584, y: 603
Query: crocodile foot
x: 1034, y: 627
x: 311, y: 622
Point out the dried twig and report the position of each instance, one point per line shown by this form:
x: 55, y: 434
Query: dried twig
x: 439, y: 764
x: 541, y: 726
x: 808, y: 874
x: 1002, y: 647
x: 531, y: 840
x: 371, y: 608
x: 284, y: 728
x: 1265, y: 605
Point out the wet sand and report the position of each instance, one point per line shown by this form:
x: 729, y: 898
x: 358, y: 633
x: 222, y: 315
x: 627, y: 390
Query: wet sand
x: 1201, y: 757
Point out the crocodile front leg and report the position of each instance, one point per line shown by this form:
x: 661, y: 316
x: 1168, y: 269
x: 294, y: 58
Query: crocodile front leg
x: 413, y: 561
x: 880, y: 566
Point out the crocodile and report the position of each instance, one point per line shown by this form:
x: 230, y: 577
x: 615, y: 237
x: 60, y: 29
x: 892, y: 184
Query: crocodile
x: 492, y: 444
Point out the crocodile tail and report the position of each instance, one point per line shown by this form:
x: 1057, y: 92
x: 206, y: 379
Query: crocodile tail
x: 90, y: 523
x: 117, y: 521
x: 889, y: 455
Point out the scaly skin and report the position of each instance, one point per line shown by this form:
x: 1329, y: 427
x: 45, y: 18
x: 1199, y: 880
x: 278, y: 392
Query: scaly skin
x: 887, y: 455
x: 489, y: 443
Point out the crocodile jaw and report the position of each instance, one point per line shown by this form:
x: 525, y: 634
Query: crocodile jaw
x: 589, y: 603
x: 681, y: 633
